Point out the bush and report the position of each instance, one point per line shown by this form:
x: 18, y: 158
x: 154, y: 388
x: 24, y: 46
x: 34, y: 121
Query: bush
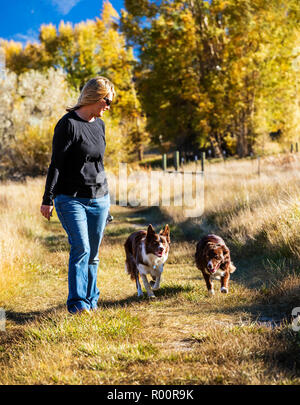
x: 31, y: 104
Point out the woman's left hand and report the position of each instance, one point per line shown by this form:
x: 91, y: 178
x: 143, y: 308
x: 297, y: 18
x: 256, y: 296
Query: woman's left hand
x: 46, y: 211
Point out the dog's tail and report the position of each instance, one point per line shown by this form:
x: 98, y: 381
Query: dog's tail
x: 232, y: 268
x: 130, y: 263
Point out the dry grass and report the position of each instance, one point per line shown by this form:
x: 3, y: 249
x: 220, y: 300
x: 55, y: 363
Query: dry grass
x: 182, y: 337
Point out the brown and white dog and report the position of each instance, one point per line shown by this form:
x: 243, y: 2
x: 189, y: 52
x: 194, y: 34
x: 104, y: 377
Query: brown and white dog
x: 146, y: 253
x: 213, y: 259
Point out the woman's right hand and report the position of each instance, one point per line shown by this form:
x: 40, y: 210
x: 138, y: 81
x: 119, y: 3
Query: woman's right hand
x: 46, y: 211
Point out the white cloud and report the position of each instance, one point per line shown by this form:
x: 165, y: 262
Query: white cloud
x: 64, y: 6
x: 29, y: 36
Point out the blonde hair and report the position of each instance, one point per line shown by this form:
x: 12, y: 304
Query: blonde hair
x: 94, y: 90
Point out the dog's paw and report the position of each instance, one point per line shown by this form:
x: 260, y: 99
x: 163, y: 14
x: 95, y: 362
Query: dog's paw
x: 224, y: 290
x: 211, y: 292
x: 151, y: 296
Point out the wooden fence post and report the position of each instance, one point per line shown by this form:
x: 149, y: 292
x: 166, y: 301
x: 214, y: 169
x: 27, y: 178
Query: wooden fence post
x: 176, y: 160
x: 202, y: 160
x: 164, y: 161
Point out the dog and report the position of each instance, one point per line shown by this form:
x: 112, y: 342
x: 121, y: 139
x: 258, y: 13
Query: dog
x: 213, y: 259
x: 146, y: 254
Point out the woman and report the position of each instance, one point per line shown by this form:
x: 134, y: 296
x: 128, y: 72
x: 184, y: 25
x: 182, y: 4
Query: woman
x: 77, y: 184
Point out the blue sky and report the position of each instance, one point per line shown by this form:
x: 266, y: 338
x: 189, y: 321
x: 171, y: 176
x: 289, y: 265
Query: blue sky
x: 20, y: 20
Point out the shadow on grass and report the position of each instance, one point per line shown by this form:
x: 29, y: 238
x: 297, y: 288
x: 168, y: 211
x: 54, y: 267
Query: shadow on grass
x: 143, y: 215
x: 117, y: 231
x: 55, y: 243
x: 256, y: 312
x: 57, y: 240
x: 164, y: 292
x: 21, y: 318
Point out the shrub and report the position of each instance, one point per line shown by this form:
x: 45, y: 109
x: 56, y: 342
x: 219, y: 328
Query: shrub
x: 31, y: 104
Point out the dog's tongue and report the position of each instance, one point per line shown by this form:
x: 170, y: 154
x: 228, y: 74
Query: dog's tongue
x: 212, y: 271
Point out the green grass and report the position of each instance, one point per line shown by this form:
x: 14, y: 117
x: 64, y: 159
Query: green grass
x: 181, y: 337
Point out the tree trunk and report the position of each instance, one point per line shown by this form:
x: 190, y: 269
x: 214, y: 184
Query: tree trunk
x: 141, y: 152
x: 216, y: 149
x: 242, y: 135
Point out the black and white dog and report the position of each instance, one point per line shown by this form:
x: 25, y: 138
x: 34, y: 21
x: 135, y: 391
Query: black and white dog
x: 146, y: 254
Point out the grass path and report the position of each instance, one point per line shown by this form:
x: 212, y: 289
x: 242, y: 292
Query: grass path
x: 181, y: 337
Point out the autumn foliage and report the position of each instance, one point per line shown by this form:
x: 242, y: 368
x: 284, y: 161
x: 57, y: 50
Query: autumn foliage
x: 53, y: 71
x: 189, y: 74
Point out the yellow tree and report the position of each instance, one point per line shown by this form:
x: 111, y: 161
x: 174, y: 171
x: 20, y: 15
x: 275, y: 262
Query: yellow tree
x: 117, y: 62
x: 168, y: 81
x: 207, y: 67
x: 84, y: 50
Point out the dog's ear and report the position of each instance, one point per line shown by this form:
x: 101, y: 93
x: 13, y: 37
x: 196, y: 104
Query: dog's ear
x: 166, y: 232
x: 150, y: 230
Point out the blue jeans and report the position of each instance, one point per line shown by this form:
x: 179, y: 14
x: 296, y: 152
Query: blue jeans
x: 84, y: 220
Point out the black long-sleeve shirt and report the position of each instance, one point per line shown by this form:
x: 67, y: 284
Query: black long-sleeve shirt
x: 76, y: 167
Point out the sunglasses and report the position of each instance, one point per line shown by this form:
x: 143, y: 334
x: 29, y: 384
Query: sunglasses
x: 107, y: 100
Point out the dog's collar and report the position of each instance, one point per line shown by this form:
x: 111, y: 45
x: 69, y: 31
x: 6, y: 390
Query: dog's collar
x: 154, y: 267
